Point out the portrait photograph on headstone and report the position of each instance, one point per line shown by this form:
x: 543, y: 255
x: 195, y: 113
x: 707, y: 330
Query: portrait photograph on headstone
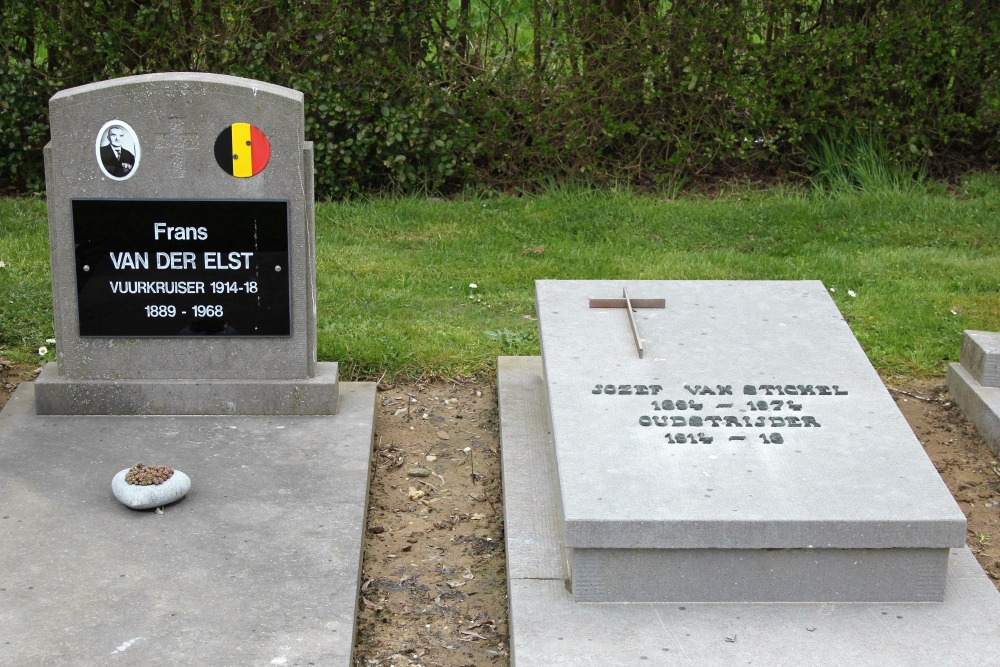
x: 118, y: 150
x: 519, y: 334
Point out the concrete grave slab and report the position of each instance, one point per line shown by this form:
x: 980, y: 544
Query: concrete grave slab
x: 258, y: 565
x: 550, y: 629
x: 751, y: 454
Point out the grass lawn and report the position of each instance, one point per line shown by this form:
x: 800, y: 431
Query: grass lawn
x: 909, y: 271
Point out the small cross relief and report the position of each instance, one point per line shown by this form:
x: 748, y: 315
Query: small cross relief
x: 177, y: 145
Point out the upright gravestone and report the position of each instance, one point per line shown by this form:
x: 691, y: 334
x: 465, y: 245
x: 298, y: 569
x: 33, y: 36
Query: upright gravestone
x: 181, y: 231
x: 730, y: 441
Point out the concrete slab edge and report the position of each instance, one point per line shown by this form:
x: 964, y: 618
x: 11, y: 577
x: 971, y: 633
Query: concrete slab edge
x: 368, y: 392
x: 535, y: 550
x: 533, y: 501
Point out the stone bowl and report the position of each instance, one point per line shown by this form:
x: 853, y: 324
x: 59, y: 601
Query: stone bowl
x: 153, y: 495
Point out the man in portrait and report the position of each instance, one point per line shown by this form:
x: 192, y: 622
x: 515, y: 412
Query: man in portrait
x: 118, y: 161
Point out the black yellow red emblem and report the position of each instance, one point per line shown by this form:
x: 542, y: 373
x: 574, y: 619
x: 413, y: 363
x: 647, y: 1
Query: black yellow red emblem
x: 242, y: 150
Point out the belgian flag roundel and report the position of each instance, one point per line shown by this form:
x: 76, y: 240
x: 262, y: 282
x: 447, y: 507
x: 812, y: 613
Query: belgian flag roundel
x: 242, y: 150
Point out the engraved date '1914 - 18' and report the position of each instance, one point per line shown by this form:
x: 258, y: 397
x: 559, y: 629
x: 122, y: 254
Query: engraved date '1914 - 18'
x: 743, y: 414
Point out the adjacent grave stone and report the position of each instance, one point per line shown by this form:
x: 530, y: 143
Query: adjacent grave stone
x: 749, y: 453
x: 980, y: 356
x: 181, y: 228
x: 975, y: 383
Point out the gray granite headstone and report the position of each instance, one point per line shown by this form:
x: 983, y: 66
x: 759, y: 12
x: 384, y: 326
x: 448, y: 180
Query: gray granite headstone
x: 181, y: 228
x: 750, y: 454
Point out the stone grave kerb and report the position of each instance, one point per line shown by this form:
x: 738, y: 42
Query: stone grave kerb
x: 173, y: 123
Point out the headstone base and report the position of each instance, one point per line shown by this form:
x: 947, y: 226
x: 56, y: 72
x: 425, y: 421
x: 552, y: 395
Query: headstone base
x: 57, y: 395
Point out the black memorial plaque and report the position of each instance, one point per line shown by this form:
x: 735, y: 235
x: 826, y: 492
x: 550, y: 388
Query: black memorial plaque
x: 165, y: 268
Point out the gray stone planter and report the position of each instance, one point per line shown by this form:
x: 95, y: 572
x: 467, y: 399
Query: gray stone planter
x: 154, y: 495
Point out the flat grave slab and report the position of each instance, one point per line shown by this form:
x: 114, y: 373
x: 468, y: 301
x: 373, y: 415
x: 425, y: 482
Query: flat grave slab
x: 258, y: 565
x: 550, y: 629
x: 750, y: 454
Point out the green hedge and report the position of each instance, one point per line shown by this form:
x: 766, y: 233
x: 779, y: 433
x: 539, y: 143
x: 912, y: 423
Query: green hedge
x: 420, y: 94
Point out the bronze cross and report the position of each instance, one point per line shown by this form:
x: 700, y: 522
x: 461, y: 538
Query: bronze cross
x: 630, y: 305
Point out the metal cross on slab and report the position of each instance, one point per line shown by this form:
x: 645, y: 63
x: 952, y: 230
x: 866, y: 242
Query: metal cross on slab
x: 630, y: 305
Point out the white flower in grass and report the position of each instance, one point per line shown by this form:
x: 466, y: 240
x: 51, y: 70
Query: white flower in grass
x: 833, y: 289
x: 473, y: 294
x: 42, y: 351
x: 851, y: 293
x: 50, y: 341
x: 3, y: 264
